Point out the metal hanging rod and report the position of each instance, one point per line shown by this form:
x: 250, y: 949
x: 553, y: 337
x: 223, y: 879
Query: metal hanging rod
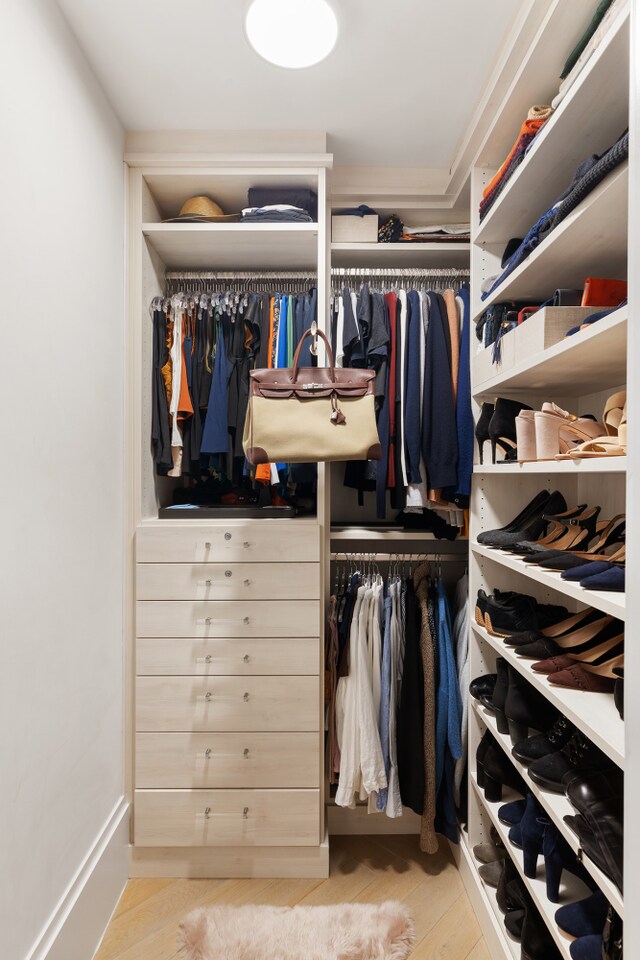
x: 392, y: 556
x: 436, y: 272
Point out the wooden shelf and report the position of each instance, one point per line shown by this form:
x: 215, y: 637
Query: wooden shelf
x: 234, y: 246
x: 557, y: 806
x: 400, y: 254
x: 591, y: 241
x: 345, y: 533
x: 573, y: 468
x: 595, y: 358
x: 588, y: 120
x: 606, y: 600
x: 571, y: 889
x: 594, y: 714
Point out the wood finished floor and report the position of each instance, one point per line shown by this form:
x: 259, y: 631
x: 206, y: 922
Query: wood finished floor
x: 363, y: 870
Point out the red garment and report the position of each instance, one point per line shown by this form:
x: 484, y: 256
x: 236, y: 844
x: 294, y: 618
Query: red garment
x: 392, y: 302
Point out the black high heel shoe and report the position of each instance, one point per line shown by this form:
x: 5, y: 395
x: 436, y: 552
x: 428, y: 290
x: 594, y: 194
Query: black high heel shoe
x: 525, y: 708
x: 482, y: 428
x: 502, y: 427
x: 528, y: 525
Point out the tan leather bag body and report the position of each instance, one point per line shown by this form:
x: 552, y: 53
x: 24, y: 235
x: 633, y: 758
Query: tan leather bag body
x: 311, y: 414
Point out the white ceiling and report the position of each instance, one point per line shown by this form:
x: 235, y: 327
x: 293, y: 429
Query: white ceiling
x: 399, y: 88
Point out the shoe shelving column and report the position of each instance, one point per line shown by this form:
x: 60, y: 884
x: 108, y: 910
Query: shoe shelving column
x: 578, y: 374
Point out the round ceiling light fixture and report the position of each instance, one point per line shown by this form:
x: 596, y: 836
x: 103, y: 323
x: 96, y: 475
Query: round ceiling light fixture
x: 292, y: 33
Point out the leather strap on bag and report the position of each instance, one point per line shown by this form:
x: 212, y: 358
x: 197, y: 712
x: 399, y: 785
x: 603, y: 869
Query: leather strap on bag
x: 296, y: 359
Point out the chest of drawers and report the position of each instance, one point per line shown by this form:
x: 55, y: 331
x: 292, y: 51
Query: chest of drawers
x: 228, y: 696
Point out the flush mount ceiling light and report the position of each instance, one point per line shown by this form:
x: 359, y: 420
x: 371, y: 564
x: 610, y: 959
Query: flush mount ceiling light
x: 292, y: 33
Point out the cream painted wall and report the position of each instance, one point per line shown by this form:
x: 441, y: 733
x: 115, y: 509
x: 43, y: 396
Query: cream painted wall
x: 61, y: 479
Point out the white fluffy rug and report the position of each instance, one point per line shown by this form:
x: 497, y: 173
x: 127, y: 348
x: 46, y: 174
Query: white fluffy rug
x: 345, y: 931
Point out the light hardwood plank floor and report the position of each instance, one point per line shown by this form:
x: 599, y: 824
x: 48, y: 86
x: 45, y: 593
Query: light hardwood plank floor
x: 363, y: 870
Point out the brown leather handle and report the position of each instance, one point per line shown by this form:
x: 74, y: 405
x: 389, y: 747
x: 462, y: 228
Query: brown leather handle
x: 296, y: 359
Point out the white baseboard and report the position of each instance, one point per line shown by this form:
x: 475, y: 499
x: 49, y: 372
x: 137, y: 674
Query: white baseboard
x: 76, y: 927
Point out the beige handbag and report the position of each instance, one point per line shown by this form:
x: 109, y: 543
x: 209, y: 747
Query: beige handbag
x: 311, y: 414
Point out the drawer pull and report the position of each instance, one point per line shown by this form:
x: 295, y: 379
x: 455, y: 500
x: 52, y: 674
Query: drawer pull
x: 205, y: 583
x: 245, y: 753
x: 207, y: 659
x: 208, y: 697
x: 247, y: 583
x: 246, y: 544
x: 246, y: 698
x: 228, y: 573
x: 227, y: 536
x: 207, y: 753
x: 245, y: 813
x: 207, y: 812
x: 207, y: 621
x: 246, y: 658
x: 207, y: 545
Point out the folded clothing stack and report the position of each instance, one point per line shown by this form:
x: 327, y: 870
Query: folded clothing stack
x: 440, y: 233
x: 281, y: 204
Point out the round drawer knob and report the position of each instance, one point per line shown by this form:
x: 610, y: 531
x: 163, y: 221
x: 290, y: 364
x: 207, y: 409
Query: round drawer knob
x: 228, y: 573
x: 227, y: 536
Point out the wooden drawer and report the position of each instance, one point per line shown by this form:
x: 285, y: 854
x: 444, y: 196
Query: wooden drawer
x: 184, y: 656
x: 261, y: 541
x: 228, y: 581
x: 218, y: 760
x: 228, y: 618
x: 234, y: 704
x: 213, y: 818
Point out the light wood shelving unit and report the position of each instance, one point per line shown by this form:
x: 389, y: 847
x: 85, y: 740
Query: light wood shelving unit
x: 578, y: 373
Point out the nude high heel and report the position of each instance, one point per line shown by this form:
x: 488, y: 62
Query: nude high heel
x: 557, y: 431
x: 526, y: 436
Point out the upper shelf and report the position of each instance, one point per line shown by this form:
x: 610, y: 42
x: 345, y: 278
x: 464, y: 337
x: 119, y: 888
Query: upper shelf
x: 589, y: 119
x: 216, y: 246
x: 591, y: 241
x: 591, y: 359
x: 400, y: 254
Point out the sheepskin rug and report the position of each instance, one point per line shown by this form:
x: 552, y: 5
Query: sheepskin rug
x: 345, y: 931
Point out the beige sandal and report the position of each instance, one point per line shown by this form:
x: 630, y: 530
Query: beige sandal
x: 614, y: 443
x: 558, y: 431
x: 526, y: 436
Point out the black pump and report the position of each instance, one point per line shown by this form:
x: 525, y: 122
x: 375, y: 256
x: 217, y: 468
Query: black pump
x: 482, y: 428
x: 502, y: 427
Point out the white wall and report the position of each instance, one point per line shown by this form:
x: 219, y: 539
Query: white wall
x: 61, y: 477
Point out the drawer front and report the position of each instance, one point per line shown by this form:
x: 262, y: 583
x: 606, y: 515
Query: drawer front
x: 228, y: 618
x: 219, y: 760
x: 228, y: 581
x: 184, y: 656
x: 261, y: 541
x: 227, y: 704
x: 194, y: 818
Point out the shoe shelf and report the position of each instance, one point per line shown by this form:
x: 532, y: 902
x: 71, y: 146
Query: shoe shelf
x: 594, y: 714
x: 400, y: 254
x: 234, y: 246
x: 596, y: 356
x: 571, y: 889
x: 573, y: 468
x: 590, y: 117
x: 592, y: 241
x: 557, y: 806
x: 608, y: 601
x: 487, y: 897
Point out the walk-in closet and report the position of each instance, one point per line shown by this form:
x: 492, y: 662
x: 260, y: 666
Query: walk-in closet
x: 317, y: 642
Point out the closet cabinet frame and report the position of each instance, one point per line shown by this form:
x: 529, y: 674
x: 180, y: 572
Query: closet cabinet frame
x: 226, y: 178
x: 497, y: 497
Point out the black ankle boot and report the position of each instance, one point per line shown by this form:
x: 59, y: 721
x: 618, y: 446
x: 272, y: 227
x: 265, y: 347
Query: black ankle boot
x: 499, y: 772
x: 482, y: 427
x: 525, y: 708
x: 537, y: 942
x: 500, y: 694
x: 502, y: 426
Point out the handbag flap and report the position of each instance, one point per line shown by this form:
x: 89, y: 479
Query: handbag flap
x: 311, y: 382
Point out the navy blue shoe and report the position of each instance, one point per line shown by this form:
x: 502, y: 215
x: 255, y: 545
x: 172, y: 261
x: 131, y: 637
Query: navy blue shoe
x: 584, y: 918
x: 588, y: 569
x: 512, y: 813
x: 612, y: 579
x: 529, y: 835
x: 559, y: 856
x: 587, y: 948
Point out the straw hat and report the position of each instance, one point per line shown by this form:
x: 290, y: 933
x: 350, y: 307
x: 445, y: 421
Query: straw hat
x: 201, y: 210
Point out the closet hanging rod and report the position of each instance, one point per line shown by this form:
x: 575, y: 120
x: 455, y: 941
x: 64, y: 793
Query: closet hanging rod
x: 436, y: 272
x: 366, y: 557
